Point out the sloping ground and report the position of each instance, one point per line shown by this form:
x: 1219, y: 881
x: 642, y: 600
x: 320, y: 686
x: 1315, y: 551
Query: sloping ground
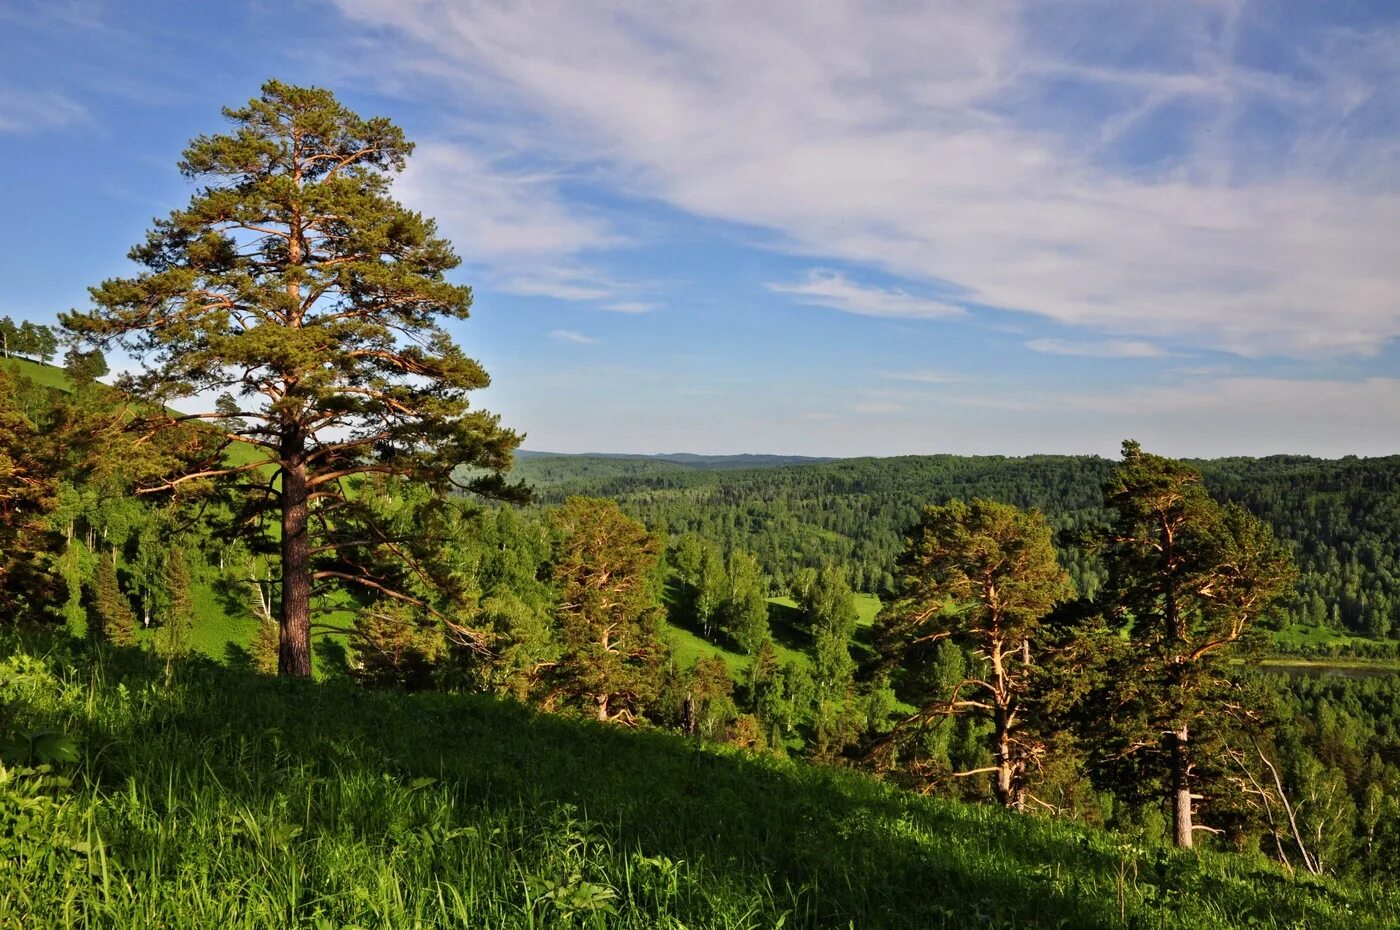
x: 223, y: 799
x: 43, y: 375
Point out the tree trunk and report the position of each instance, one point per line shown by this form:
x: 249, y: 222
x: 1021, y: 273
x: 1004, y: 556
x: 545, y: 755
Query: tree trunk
x: 294, y: 648
x: 688, y: 723
x: 1183, y: 833
x: 602, y: 701
x: 1005, y: 790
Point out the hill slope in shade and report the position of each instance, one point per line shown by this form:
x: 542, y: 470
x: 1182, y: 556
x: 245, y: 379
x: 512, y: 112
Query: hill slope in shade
x: 222, y: 798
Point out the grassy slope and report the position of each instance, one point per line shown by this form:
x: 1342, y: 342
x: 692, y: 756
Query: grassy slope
x: 226, y: 799
x: 43, y: 375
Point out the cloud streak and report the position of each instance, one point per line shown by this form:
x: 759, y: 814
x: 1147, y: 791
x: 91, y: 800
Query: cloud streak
x: 1106, y: 348
x: 919, y: 140
x: 835, y: 290
x: 37, y: 110
x: 569, y: 335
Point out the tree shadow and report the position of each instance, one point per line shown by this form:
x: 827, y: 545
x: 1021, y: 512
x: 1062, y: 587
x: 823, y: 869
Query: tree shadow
x: 848, y: 851
x: 785, y: 623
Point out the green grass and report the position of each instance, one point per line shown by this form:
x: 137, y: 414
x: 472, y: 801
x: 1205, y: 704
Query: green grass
x: 225, y: 799
x: 1297, y: 635
x: 50, y: 376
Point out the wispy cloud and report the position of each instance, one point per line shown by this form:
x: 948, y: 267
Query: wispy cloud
x: 835, y: 290
x: 569, y: 335
x: 629, y: 306
x: 1151, y: 183
x: 37, y: 110
x: 877, y: 408
x: 516, y: 222
x: 1105, y: 348
x: 923, y: 376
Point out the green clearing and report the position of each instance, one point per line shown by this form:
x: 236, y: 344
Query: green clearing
x: 234, y: 800
x: 1297, y: 635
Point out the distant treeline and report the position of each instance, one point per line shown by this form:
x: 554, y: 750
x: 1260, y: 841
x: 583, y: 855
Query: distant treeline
x: 1338, y: 515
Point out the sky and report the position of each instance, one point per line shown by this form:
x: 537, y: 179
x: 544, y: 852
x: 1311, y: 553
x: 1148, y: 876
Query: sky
x: 808, y: 227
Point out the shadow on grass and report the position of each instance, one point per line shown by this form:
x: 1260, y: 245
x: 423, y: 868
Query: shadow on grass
x: 845, y: 849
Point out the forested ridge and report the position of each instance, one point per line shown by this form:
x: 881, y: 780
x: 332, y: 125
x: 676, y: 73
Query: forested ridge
x: 326, y: 651
x: 1338, y: 515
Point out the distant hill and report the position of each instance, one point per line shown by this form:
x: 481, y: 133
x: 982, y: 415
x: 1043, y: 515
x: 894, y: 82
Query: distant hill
x: 688, y: 459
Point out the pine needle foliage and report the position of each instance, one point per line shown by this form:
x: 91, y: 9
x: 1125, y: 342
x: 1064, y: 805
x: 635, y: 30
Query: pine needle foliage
x: 297, y: 289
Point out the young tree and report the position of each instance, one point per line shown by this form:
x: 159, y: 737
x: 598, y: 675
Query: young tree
x: 45, y: 343
x: 109, y: 612
x: 710, y: 588
x: 173, y: 638
x: 26, y: 339
x: 1188, y: 579
x: 8, y: 332
x: 394, y: 648
x: 984, y: 575
x: 830, y: 613
x: 84, y: 367
x: 608, y: 610
x: 296, y: 284
x: 745, y: 609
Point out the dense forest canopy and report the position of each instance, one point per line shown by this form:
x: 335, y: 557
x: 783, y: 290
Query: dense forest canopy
x: 1338, y: 515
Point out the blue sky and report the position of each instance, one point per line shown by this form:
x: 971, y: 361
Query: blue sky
x: 809, y: 227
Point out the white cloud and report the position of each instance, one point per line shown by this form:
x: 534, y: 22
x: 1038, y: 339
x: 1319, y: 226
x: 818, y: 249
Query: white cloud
x: 1107, y: 348
x: 516, y: 222
x: 936, y: 141
x: 877, y: 408
x: 833, y: 289
x: 629, y: 306
x: 568, y: 335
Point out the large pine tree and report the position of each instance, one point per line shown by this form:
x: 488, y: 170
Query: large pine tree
x: 985, y: 575
x: 298, y: 289
x: 1189, y: 578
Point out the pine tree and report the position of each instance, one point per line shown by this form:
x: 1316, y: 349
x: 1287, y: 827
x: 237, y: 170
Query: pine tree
x: 29, y: 469
x: 1189, y: 578
x: 984, y: 575
x: 110, y: 615
x: 173, y: 639
x: 294, y: 283
x: 608, y: 612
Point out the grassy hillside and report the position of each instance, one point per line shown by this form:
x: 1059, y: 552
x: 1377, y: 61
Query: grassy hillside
x: 43, y: 375
x: 231, y: 800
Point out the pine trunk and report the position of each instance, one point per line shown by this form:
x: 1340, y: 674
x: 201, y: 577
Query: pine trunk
x: 294, y: 650
x: 1005, y: 790
x: 1181, y: 788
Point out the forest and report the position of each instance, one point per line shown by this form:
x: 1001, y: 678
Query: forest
x: 292, y: 633
x: 1336, y: 515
